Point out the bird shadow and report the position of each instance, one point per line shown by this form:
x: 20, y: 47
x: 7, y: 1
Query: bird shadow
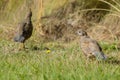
x: 113, y: 61
x: 35, y: 48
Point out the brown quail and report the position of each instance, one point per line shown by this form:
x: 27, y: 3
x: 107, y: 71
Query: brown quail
x: 24, y: 30
x: 90, y: 47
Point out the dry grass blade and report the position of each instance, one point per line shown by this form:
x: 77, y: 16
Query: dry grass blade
x: 114, y: 14
x: 97, y: 9
x: 114, y: 7
x: 117, y: 3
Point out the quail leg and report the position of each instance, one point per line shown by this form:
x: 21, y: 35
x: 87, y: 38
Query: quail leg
x: 22, y: 46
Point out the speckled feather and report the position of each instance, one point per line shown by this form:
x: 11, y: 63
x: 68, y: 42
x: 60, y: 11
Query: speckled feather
x: 91, y: 48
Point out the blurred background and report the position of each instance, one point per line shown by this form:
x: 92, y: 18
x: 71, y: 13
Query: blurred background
x: 58, y: 20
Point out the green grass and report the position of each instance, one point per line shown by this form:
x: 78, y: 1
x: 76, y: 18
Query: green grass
x: 65, y: 62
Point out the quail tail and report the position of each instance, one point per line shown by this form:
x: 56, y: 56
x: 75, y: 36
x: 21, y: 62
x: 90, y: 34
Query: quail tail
x: 100, y: 56
x: 19, y: 39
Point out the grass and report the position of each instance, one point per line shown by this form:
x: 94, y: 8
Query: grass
x: 65, y: 62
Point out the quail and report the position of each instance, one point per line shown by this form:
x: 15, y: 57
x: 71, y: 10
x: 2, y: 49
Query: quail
x: 90, y: 47
x: 24, y: 30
